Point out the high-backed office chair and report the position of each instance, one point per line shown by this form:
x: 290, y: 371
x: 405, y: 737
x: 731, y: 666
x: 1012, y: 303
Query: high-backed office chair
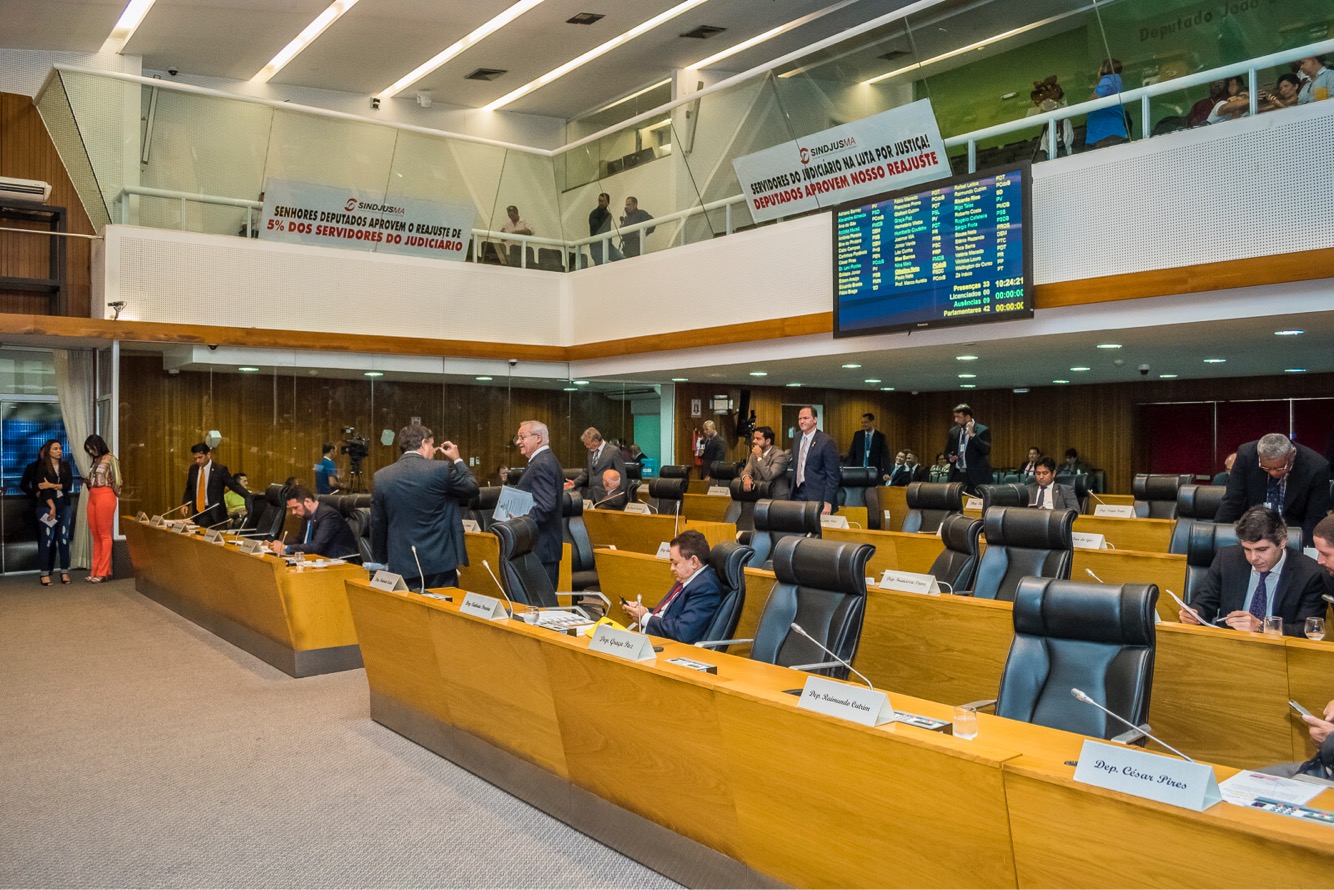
x: 721, y: 471
x: 929, y: 503
x: 821, y: 587
x: 1010, y: 494
x: 776, y: 520
x: 674, y: 471
x: 272, y: 512
x: 356, y: 509
x: 525, y: 580
x: 1023, y: 542
x: 484, y: 505
x: 875, y: 515
x: 583, y: 568
x: 1080, y: 483
x: 1098, y: 638
x: 1156, y: 495
x: 956, y: 565
x: 1194, y: 502
x: 1205, y: 539
x: 665, y: 494
x: 513, y: 475
x: 853, y: 483
x: 549, y: 258
x: 728, y: 560
x: 741, y: 512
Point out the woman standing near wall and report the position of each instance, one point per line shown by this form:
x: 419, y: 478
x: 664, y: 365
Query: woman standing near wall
x: 48, y: 481
x: 103, y: 486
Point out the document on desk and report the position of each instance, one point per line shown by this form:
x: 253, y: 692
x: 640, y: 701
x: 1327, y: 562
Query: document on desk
x: 1243, y: 788
x: 512, y: 502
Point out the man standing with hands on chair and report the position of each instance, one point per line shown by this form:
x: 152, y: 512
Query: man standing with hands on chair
x: 687, y: 610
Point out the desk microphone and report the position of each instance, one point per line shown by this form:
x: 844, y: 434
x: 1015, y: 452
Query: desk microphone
x: 1144, y: 729
x: 676, y: 526
x: 499, y: 586
x: 651, y: 508
x: 1327, y: 598
x: 177, y: 510
x: 798, y: 628
x: 421, y: 576
x: 610, y: 497
x: 1089, y: 572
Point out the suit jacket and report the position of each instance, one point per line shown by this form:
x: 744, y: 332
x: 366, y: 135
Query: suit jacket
x: 977, y: 457
x: 714, y: 450
x: 822, y: 471
x: 416, y: 501
x: 689, y: 614
x: 591, y: 474
x: 218, y: 479
x: 1030, y: 468
x: 772, y: 468
x: 1062, y: 497
x: 605, y: 500
x: 1297, y: 598
x: 330, y: 535
x: 1305, y: 502
x: 903, y: 474
x: 545, y: 481
x: 880, y: 459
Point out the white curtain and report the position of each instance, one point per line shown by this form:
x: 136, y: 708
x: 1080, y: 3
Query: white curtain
x: 76, y: 385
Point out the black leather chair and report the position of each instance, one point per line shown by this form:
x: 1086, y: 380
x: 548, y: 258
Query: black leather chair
x: 741, y: 512
x: 271, y: 512
x: 1008, y: 494
x: 729, y: 563
x: 1194, y: 503
x: 525, y: 580
x: 853, y: 483
x: 722, y: 471
x: 356, y: 509
x: 822, y: 588
x: 583, y: 569
x: 665, y: 494
x: 1023, y: 542
x: 484, y: 505
x: 1205, y: 539
x: 1080, y: 483
x: 674, y: 471
x: 776, y: 520
x: 957, y: 563
x: 1098, y: 638
x: 513, y: 475
x: 875, y: 514
x: 1156, y: 495
x: 929, y: 503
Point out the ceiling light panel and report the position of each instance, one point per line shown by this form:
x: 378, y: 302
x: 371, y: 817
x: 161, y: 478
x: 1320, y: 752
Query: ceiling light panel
x: 309, y: 34
x: 126, y: 25
x: 769, y: 35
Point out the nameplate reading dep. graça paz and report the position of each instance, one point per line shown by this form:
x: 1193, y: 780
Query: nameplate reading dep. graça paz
x: 480, y: 606
x: 1151, y: 776
x: 869, y: 707
x: 622, y: 644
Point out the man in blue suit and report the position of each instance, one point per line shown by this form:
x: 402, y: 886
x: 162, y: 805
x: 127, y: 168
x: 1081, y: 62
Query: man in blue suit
x: 688, y: 608
x: 544, y: 480
x: 815, y: 459
x: 415, y: 502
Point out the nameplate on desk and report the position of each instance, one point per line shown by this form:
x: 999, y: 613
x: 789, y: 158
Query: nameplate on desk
x: 973, y: 504
x: 1086, y: 541
x: 1118, y: 511
x: 719, y: 491
x: 249, y: 545
x: 909, y: 582
x: 621, y: 643
x: 158, y: 521
x: 664, y: 550
x: 480, y: 606
x: 833, y: 520
x: 470, y: 525
x: 143, y: 517
x: 386, y: 580
x: 213, y: 536
x: 636, y: 507
x: 588, y: 504
x: 869, y: 707
x: 182, y: 528
x: 1168, y: 780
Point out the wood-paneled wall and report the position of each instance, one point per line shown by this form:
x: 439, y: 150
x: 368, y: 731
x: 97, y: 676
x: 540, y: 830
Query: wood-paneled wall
x: 26, y: 152
x: 273, y: 426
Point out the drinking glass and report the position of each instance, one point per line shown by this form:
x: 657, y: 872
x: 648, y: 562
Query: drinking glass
x: 1274, y: 625
x: 1315, y: 628
x: 965, y: 722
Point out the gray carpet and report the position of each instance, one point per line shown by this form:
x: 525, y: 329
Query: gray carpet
x: 137, y: 750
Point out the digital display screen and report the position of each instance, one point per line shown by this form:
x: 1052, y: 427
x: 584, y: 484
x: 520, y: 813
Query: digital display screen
x: 957, y: 253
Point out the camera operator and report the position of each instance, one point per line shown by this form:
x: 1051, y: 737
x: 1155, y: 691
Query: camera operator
x: 326, y: 471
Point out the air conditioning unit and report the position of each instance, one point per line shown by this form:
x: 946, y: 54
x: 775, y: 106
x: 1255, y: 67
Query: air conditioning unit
x: 24, y: 190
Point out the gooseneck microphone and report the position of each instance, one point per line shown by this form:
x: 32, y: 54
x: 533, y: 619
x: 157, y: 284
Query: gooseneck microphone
x: 500, y: 587
x: 610, y: 497
x: 421, y: 576
x: 798, y: 628
x: 1089, y: 572
x: 1144, y: 729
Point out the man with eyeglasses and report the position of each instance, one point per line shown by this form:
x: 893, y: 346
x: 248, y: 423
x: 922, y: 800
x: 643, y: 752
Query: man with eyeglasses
x: 1275, y: 471
x: 545, y: 481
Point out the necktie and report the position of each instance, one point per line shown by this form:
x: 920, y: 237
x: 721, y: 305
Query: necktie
x: 1260, y: 601
x: 866, y: 455
x: 963, y: 448
x: 201, y: 501
x: 1042, y: 495
x: 310, y: 529
x: 801, y: 461
x: 1274, y: 494
x: 671, y: 595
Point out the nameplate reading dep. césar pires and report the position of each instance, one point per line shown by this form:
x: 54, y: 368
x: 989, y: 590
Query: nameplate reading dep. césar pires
x: 1168, y: 780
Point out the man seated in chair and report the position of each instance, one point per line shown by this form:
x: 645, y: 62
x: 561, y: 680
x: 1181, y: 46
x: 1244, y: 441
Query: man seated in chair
x: 324, y: 531
x: 608, y: 493
x: 1048, y: 494
x: 688, y: 608
x: 1259, y: 578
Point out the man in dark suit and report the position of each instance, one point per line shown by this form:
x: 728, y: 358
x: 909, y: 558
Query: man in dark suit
x: 916, y: 472
x: 899, y: 474
x: 869, y: 449
x: 687, y: 610
x: 324, y: 531
x: 968, y: 449
x: 609, y: 493
x: 545, y: 481
x: 415, y: 502
x: 204, y: 485
x: 1240, y: 589
x: 766, y: 463
x: 1030, y: 467
x: 816, y: 464
x: 602, y: 456
x: 1221, y: 478
x: 714, y: 450
x: 1274, y: 470
x: 1048, y: 494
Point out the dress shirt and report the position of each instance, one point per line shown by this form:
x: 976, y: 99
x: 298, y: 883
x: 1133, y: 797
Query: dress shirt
x: 1271, y: 584
x: 805, y: 448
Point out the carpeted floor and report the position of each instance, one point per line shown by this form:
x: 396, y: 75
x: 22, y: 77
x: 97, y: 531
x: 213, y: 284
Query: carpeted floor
x: 137, y: 750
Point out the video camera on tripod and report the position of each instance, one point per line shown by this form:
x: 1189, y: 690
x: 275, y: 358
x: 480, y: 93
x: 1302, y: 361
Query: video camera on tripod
x: 355, y: 447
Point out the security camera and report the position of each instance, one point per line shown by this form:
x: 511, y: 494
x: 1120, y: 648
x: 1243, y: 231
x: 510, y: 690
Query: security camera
x: 375, y: 103
x: 213, y: 347
x: 513, y: 362
x: 1144, y: 370
x: 173, y: 71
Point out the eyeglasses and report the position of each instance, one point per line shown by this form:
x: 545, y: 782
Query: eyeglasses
x: 519, y: 438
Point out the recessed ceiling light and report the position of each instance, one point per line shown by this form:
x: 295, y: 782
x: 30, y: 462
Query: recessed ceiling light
x: 126, y: 25
x: 373, y: 374
x: 1080, y: 368
x: 1021, y: 389
x: 886, y: 389
x: 852, y: 367
x: 872, y: 379
x: 484, y: 379
x: 965, y: 358
x: 967, y: 376
x: 1109, y: 345
x: 759, y: 373
x: 332, y: 13
x: 571, y: 389
x: 1294, y: 370
x: 794, y: 385
x: 579, y: 382
x: 968, y: 386
x: 1060, y: 381
x: 1293, y: 332
x: 680, y: 379
x: 248, y: 369
x: 1214, y: 361
x: 1167, y: 376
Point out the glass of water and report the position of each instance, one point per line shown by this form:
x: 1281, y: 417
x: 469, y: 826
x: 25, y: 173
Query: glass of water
x: 1315, y: 628
x: 965, y: 722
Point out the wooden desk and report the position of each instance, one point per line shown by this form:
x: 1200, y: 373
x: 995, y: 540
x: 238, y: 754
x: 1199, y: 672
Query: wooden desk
x: 1115, y: 500
x: 905, y: 551
x: 295, y: 619
x: 481, y: 546
x: 706, y: 507
x: 894, y: 499
x: 1150, y: 535
x: 644, y: 533
x: 1167, y: 570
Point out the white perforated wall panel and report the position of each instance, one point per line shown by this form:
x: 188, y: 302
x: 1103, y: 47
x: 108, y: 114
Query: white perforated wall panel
x: 23, y: 70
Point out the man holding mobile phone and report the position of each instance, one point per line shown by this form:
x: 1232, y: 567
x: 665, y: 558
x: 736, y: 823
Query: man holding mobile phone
x: 688, y: 608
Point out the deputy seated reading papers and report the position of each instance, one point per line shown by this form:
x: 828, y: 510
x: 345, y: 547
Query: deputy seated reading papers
x: 688, y: 608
